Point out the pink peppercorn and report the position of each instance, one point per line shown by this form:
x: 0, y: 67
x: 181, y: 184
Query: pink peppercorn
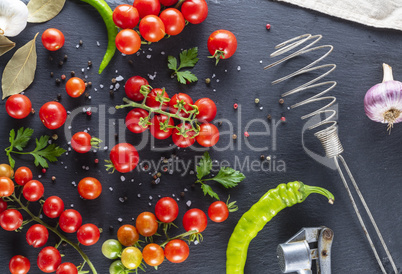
x: 246, y: 134
x: 235, y: 106
x: 268, y: 26
x: 283, y: 119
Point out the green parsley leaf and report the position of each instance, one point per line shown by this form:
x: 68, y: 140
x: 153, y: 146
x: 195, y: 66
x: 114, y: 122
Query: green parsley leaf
x: 184, y: 76
x: 208, y: 190
x: 204, y: 166
x: 21, y: 140
x: 41, y: 153
x: 188, y: 58
x: 228, y: 177
x: 172, y: 63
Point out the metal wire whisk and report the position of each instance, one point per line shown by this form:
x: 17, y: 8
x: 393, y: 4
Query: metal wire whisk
x: 329, y: 135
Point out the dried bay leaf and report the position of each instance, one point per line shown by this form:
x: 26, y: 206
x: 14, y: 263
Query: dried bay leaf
x: 43, y: 10
x: 19, y: 72
x: 5, y: 44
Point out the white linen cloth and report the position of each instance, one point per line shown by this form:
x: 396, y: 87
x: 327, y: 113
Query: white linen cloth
x: 375, y: 13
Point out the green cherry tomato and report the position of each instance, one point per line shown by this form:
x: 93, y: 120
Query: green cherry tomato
x: 117, y: 267
x: 131, y: 257
x: 111, y: 249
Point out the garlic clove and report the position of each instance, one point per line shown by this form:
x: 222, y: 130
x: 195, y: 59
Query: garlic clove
x: 13, y: 17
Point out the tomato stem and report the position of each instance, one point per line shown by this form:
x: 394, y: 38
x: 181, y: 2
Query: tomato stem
x: 180, y: 236
x: 55, y: 231
x: 179, y: 4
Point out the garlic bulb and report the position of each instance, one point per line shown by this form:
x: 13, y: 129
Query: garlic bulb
x: 13, y: 17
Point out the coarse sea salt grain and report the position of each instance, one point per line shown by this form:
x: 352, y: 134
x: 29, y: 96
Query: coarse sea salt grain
x: 149, y: 204
x: 111, y: 188
x: 121, y: 199
x: 150, y: 197
x: 188, y: 203
x: 238, y: 68
x: 97, y: 43
x: 213, y: 75
x: 119, y: 78
x: 260, y: 61
x: 162, y: 52
x: 149, y: 56
x: 101, y: 86
x: 139, y: 195
x: 77, y: 46
x: 122, y: 178
x: 120, y: 220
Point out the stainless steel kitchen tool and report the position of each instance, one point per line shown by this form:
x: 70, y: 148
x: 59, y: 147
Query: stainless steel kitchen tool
x: 296, y: 255
x: 329, y: 135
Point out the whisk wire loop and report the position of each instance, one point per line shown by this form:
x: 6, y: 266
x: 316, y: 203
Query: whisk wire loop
x: 329, y: 135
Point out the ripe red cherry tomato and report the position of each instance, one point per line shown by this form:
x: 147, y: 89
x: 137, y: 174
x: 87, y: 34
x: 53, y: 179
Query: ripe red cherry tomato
x: 156, y: 131
x: 146, y: 224
x: 178, y: 98
x: 81, y: 142
x: 10, y: 219
x: 195, y: 11
x: 18, y: 106
x: 206, y: 109
x: 88, y: 234
x: 177, y: 251
x: 53, y: 115
x: 218, y: 211
x: 222, y: 44
x: 152, y: 28
x: 89, y: 188
x: 133, y: 87
x: 151, y: 99
x: 67, y: 268
x: 19, y: 265
x: 52, y: 39
x: 126, y: 16
x: 37, y: 235
x: 128, y: 235
x: 33, y: 190
x: 168, y: 3
x: 23, y: 175
x: 147, y: 7
x: 166, y: 210
x: 153, y: 254
x: 6, y: 187
x: 70, y: 220
x: 53, y: 207
x: 208, y: 136
x: 173, y: 20
x: 180, y: 140
x: 128, y: 41
x: 133, y: 118
x: 48, y: 259
x: 195, y: 219
x: 75, y: 87
x: 124, y: 157
x: 3, y: 205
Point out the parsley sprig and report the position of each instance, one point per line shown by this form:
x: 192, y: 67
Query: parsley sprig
x: 188, y: 59
x: 227, y: 177
x: 43, y: 151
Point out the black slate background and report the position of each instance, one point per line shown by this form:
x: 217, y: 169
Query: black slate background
x: 371, y: 153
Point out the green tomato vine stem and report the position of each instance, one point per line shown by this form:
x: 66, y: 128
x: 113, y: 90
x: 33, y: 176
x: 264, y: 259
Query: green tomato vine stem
x: 55, y: 231
x: 178, y: 5
x: 180, y: 236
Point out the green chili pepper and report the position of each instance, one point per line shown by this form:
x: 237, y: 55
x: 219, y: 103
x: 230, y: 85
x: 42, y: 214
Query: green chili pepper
x: 107, y: 14
x: 284, y: 195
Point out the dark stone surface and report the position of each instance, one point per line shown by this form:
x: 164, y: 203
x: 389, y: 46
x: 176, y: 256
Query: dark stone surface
x: 371, y: 153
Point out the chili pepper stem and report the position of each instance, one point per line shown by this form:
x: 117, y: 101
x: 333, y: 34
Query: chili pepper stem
x: 307, y: 190
x: 55, y: 231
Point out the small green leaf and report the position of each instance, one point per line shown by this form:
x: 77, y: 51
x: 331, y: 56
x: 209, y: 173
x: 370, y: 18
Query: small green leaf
x: 41, y: 143
x: 184, y: 76
x: 204, y: 166
x: 172, y: 63
x: 228, y: 177
x: 40, y: 161
x: 11, y: 161
x: 208, y: 190
x: 22, y: 138
x: 51, y: 152
x: 188, y: 58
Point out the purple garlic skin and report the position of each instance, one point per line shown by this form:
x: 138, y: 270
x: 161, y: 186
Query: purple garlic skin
x: 381, y: 98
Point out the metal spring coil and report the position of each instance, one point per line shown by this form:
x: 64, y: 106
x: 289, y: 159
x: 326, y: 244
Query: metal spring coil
x: 328, y: 136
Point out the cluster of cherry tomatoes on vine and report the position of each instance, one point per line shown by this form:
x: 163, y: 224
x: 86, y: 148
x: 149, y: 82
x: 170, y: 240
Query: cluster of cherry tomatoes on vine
x: 153, y: 24
x: 70, y: 221
x: 175, y: 249
x: 207, y: 135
